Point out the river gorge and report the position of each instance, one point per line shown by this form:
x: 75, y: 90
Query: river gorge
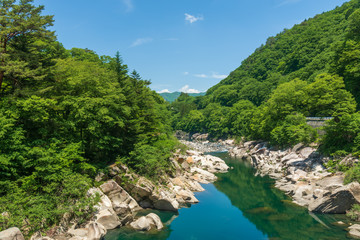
x: 241, y: 205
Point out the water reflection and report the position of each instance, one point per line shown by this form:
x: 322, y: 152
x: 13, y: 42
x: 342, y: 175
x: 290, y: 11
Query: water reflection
x: 240, y: 205
x: 270, y: 210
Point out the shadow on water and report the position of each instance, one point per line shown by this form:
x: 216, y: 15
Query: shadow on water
x: 240, y: 205
x: 271, y: 210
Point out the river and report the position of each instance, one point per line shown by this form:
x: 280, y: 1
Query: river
x: 240, y: 205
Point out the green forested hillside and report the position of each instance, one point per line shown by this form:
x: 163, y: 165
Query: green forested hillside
x: 171, y: 97
x: 310, y: 70
x: 64, y: 116
x: 317, y: 45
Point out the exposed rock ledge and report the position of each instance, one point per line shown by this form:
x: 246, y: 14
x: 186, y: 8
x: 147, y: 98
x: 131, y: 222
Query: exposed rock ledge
x: 301, y: 174
x: 125, y: 193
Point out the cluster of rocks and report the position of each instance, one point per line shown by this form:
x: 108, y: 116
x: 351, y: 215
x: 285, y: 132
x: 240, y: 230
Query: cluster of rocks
x: 124, y: 193
x: 300, y: 172
x: 181, y: 135
x: 207, y: 146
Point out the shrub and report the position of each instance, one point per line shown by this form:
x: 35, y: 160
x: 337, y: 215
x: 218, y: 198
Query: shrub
x: 353, y: 174
x: 354, y: 212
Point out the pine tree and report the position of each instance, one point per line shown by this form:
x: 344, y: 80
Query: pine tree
x: 22, y: 20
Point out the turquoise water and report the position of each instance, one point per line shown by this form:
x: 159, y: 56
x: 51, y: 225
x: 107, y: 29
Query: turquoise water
x: 240, y: 205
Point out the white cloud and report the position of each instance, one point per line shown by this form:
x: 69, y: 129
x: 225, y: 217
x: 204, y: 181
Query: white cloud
x: 218, y: 76
x: 164, y: 91
x: 201, y: 75
x: 140, y: 41
x: 213, y: 75
x: 187, y: 89
x: 192, y: 19
x: 128, y: 4
x: 186, y: 73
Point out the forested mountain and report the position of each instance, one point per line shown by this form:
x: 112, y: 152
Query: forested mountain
x: 64, y: 116
x: 171, y: 97
x: 311, y: 70
x: 327, y: 43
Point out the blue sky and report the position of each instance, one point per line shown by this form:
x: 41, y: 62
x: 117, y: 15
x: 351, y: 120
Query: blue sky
x: 178, y: 44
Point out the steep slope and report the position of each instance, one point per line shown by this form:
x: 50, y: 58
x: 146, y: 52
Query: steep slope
x: 312, y: 47
x: 312, y: 69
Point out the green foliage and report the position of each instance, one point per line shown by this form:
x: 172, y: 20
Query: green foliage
x: 64, y: 116
x: 36, y: 212
x: 21, y: 28
x: 216, y: 121
x: 327, y: 97
x: 292, y: 131
x: 354, y: 212
x: 353, y: 31
x: 353, y: 174
x: 194, y: 122
x: 342, y: 133
x: 303, y: 52
x: 310, y: 70
x: 240, y: 116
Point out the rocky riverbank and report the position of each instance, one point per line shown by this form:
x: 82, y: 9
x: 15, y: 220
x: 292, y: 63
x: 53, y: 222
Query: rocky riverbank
x: 207, y: 146
x: 123, y: 193
x: 300, y: 172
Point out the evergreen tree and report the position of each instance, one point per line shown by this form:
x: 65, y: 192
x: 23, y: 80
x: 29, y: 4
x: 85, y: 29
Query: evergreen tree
x: 17, y: 22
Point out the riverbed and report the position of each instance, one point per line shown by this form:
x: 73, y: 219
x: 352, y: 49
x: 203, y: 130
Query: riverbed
x: 240, y: 205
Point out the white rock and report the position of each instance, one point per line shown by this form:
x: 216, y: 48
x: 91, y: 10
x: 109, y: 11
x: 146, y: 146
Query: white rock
x: 105, y: 214
x: 193, y: 153
x: 167, y: 204
x: 187, y: 196
x: 155, y: 220
x: 141, y: 224
x: 204, y: 175
x: 108, y: 219
x: 290, y: 156
x: 355, y: 230
x: 104, y: 203
x: 193, y: 185
x: 306, y: 152
x: 118, y: 196
x: 11, y: 234
x: 96, y: 231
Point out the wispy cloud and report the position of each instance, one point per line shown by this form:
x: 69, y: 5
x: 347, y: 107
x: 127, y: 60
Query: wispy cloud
x: 164, y: 91
x: 187, y: 89
x: 186, y: 73
x: 214, y: 75
x: 171, y: 39
x: 191, y: 19
x: 128, y: 4
x: 141, y: 41
x: 286, y: 2
x: 219, y: 76
x: 201, y: 75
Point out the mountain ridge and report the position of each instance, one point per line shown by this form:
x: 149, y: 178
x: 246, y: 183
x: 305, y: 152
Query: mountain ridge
x: 171, y: 97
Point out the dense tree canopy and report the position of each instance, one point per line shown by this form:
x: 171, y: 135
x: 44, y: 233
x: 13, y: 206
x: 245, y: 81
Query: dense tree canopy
x: 65, y: 115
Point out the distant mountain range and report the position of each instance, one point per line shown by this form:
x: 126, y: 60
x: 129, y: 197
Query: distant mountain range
x: 171, y: 97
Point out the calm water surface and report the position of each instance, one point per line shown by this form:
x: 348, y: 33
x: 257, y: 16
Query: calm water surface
x: 240, y: 205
